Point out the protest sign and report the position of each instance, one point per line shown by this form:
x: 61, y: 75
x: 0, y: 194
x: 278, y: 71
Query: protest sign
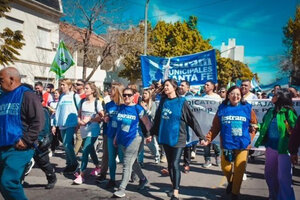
x: 195, y: 68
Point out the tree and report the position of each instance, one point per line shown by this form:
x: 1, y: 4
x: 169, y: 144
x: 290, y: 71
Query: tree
x: 95, y: 16
x: 12, y: 40
x: 292, y: 42
x: 129, y: 45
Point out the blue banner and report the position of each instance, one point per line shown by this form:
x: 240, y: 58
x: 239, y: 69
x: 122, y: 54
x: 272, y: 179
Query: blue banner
x: 195, y: 68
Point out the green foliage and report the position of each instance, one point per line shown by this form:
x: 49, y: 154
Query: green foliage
x: 292, y: 41
x: 12, y: 40
x: 170, y: 40
x: 230, y: 71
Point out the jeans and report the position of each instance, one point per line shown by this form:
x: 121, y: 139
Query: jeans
x: 153, y: 147
x: 88, y: 149
x: 112, y: 154
x: 67, y: 136
x: 173, y: 155
x: 130, y: 162
x: 207, y: 154
x: 12, y: 166
x: 278, y: 174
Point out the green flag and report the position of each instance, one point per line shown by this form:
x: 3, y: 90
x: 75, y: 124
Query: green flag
x: 62, y: 60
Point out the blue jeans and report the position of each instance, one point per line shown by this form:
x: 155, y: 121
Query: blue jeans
x: 207, y: 153
x: 88, y: 149
x: 112, y: 154
x: 130, y: 162
x: 12, y: 166
x: 68, y: 139
x: 153, y: 147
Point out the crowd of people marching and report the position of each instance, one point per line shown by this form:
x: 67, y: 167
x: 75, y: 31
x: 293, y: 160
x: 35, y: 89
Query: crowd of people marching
x: 75, y: 114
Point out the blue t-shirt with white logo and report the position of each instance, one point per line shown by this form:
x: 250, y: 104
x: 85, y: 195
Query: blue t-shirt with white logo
x: 111, y: 109
x: 128, y: 123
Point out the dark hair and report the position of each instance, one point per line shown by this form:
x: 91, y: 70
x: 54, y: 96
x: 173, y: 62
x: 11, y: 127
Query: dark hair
x: 174, y: 84
x: 212, y: 84
x: 50, y: 85
x: 277, y: 86
x: 128, y: 89
x: 246, y: 80
x: 82, y: 81
x: 230, y: 90
x: 39, y: 83
x: 284, y: 100
x: 186, y: 82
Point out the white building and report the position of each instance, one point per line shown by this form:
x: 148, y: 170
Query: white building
x: 39, y: 22
x: 232, y: 51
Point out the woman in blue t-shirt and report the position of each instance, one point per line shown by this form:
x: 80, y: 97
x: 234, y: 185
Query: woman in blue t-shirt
x: 170, y: 124
x: 111, y: 112
x: 236, y: 121
x: 129, y: 139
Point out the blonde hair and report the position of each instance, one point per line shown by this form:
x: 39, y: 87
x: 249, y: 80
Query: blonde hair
x: 94, y: 88
x: 68, y: 82
x: 149, y: 101
x: 118, y: 89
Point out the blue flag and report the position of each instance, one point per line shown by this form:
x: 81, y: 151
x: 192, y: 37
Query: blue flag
x: 194, y: 68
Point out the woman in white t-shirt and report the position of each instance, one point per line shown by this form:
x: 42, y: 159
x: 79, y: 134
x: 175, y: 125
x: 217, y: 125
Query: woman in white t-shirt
x: 89, y: 116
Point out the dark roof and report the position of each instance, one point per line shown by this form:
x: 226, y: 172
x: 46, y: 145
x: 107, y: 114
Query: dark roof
x: 51, y: 3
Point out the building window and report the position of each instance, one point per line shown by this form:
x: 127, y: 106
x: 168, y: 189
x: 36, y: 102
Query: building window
x: 43, y: 38
x: 12, y: 23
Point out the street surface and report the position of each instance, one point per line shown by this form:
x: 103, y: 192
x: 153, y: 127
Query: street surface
x: 200, y: 183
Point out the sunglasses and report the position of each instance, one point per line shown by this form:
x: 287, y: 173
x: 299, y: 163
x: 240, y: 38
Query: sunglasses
x: 127, y: 95
x: 79, y: 84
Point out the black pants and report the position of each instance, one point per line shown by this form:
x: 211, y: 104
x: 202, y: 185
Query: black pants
x: 187, y: 156
x: 56, y: 139
x: 173, y: 155
x: 43, y: 162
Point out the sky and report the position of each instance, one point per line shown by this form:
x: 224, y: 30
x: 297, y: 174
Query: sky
x: 255, y: 24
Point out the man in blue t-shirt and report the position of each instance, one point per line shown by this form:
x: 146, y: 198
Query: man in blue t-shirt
x: 21, y: 120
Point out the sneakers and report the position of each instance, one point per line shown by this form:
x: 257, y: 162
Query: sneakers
x: 207, y: 164
x: 79, y: 180
x: 157, y: 160
x: 70, y: 169
x: 95, y: 172
x: 186, y: 169
x: 110, y: 184
x: 163, y: 159
x: 101, y: 178
x: 120, y: 193
x: 51, y: 184
x: 29, y: 167
x: 142, y: 183
x: 193, y: 155
x: 218, y: 161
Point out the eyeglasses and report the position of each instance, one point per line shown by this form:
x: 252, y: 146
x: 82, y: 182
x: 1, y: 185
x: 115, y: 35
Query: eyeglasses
x: 79, y: 84
x: 127, y: 95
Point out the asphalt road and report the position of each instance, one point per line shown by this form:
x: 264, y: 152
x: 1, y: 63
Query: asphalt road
x: 200, y: 183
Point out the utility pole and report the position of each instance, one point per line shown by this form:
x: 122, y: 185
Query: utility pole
x: 146, y: 27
